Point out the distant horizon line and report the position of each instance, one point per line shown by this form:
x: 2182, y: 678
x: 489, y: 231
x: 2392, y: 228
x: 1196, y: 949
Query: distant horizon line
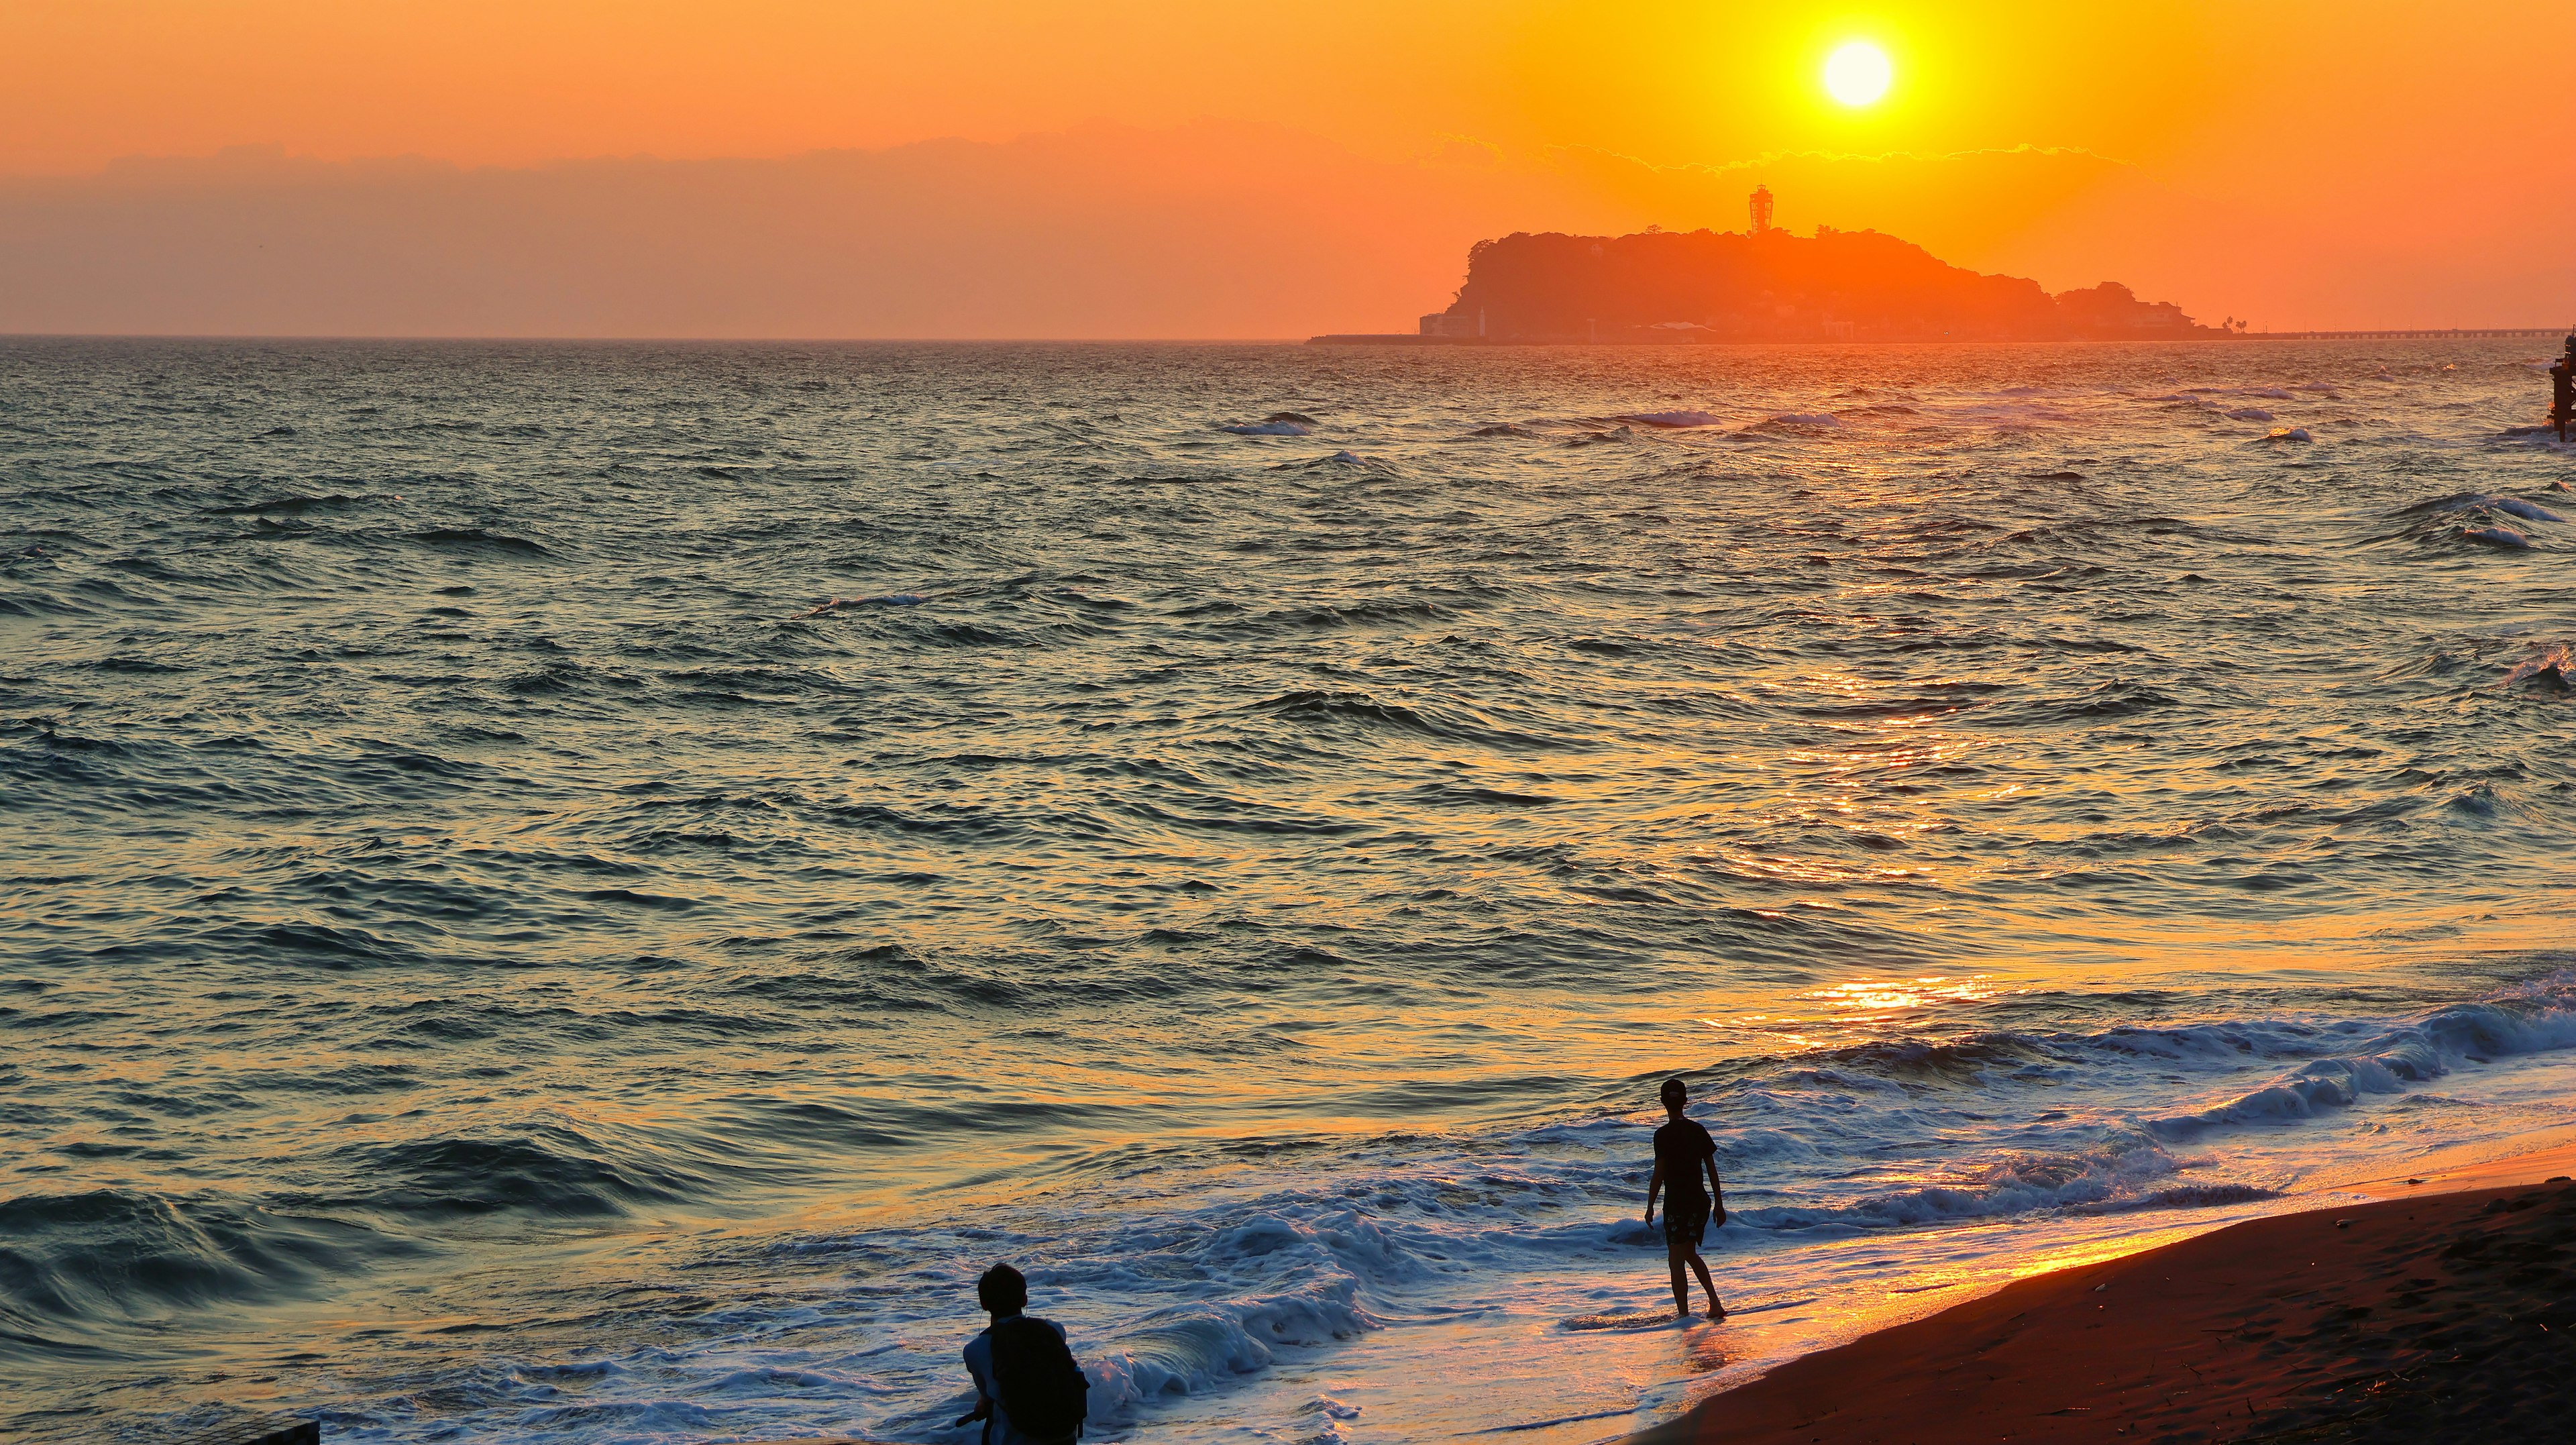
x: 2376, y: 333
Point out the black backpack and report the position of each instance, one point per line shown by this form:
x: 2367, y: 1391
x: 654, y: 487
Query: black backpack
x: 1042, y: 1388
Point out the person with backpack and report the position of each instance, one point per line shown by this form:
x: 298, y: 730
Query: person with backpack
x: 1028, y: 1390
x: 1683, y: 1152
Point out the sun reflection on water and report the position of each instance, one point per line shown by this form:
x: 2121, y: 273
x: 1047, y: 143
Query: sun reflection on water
x: 1864, y: 1006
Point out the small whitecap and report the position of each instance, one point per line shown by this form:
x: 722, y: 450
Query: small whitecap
x: 1798, y: 421
x: 885, y: 599
x: 2551, y: 664
x: 2494, y: 537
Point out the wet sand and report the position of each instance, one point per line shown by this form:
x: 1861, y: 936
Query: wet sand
x: 2445, y: 1309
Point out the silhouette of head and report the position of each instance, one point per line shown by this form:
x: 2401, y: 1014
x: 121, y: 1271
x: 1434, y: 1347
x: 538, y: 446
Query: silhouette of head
x: 1002, y: 1291
x: 1676, y: 1094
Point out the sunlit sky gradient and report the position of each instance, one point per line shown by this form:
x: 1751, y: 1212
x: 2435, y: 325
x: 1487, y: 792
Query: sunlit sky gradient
x: 2375, y: 142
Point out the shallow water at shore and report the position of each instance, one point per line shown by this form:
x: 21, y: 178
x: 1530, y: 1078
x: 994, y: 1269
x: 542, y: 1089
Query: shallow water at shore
x: 482, y: 962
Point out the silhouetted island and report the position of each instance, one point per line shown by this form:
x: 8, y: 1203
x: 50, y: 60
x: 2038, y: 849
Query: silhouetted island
x: 1768, y: 285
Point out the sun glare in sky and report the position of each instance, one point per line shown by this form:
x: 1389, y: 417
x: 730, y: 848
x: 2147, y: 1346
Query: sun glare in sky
x: 1857, y: 73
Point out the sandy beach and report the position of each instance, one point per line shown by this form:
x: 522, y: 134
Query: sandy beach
x: 2442, y: 1309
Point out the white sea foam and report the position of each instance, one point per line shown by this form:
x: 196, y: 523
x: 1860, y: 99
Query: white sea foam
x: 1192, y: 1348
x: 2388, y: 1064
x: 2487, y: 502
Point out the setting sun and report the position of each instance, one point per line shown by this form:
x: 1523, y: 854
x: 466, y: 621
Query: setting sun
x: 1858, y: 73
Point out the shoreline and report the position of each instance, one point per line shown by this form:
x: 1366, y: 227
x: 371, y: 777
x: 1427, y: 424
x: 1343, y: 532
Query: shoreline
x: 2444, y: 1296
x: 2033, y: 1371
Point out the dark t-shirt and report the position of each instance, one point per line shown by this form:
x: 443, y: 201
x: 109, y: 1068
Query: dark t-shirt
x: 979, y: 1363
x: 1679, y: 1146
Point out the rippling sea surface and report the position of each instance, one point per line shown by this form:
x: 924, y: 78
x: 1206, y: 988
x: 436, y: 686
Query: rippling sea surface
x: 479, y: 961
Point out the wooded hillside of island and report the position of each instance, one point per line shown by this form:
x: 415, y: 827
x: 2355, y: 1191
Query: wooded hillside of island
x: 1773, y: 286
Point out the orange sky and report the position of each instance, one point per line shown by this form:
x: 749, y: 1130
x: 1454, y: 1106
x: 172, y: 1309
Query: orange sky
x: 2375, y: 139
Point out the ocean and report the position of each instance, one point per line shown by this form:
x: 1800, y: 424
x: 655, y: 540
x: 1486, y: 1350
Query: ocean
x: 488, y: 953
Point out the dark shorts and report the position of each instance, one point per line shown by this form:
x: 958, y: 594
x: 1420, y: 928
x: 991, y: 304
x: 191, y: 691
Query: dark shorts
x: 1685, y: 1220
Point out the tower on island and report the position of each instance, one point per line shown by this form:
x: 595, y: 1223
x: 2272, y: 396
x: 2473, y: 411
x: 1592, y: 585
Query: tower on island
x: 1761, y: 209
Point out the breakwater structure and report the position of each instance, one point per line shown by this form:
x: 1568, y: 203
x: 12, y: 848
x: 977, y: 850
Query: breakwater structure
x: 2448, y: 333
x: 2454, y: 333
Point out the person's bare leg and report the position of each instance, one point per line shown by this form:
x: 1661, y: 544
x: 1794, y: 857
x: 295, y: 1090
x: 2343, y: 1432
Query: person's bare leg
x: 1681, y: 1283
x: 1716, y: 1311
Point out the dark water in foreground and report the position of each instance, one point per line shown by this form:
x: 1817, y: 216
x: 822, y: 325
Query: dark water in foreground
x: 475, y: 960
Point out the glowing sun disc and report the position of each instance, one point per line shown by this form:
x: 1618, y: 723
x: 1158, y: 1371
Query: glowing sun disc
x: 1858, y: 73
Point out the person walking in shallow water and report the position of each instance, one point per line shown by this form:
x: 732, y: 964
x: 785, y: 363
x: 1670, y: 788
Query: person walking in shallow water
x: 1683, y: 1151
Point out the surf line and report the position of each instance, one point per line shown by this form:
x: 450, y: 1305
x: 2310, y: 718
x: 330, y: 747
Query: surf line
x: 1560, y: 1420
x: 1789, y: 1304
x: 1635, y: 1320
